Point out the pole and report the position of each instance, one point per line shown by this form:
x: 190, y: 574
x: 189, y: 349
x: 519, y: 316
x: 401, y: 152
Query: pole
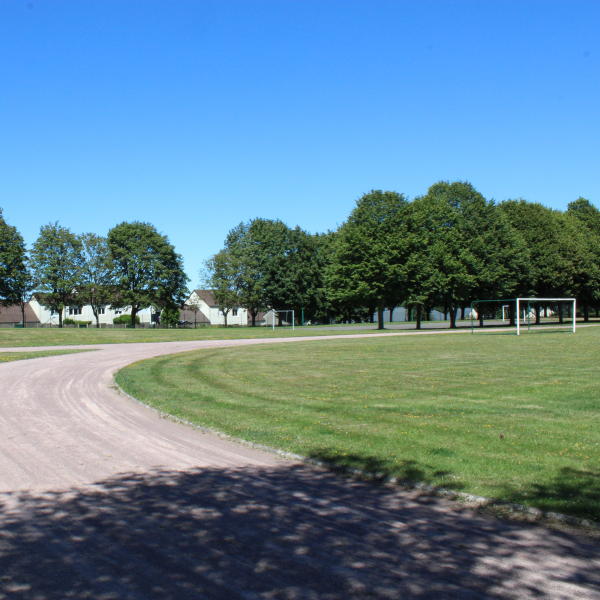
x: 574, y: 314
x: 293, y: 319
x: 472, y: 332
x: 518, y: 332
x: 302, y: 317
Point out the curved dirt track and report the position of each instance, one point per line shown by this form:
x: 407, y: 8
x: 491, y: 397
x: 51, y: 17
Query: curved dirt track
x: 101, y: 498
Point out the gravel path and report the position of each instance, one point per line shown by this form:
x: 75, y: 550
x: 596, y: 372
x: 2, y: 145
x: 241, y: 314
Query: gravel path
x: 101, y: 498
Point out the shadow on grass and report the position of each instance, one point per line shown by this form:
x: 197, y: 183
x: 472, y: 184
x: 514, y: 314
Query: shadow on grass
x: 573, y: 491
x: 280, y: 533
x: 406, y: 470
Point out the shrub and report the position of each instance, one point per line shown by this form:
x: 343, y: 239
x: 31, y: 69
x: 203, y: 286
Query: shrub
x: 125, y: 320
x: 68, y: 321
x: 169, y: 316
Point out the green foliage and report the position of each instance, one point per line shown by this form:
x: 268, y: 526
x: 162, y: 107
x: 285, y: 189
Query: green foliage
x: 147, y: 268
x: 125, y: 320
x: 57, y: 261
x: 69, y: 321
x: 13, y: 264
x: 97, y: 286
x: 222, y: 274
x: 370, y: 252
x: 170, y: 316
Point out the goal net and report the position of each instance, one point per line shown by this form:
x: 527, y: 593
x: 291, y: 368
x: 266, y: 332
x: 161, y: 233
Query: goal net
x: 283, y: 318
x: 531, y: 313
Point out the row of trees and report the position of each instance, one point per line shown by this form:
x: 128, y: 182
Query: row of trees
x: 134, y: 266
x: 441, y: 250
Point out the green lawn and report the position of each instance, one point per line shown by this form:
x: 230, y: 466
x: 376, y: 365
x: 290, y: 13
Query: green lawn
x: 13, y: 338
x: 496, y: 415
x: 10, y: 356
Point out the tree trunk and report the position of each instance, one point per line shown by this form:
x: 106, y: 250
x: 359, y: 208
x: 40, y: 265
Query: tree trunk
x: 97, y: 321
x: 380, y: 309
x: 23, y: 311
x: 511, y: 312
x: 419, y: 308
x: 586, y: 313
x: 253, y: 315
x: 453, y: 317
x: 134, y: 311
x: 560, y: 313
x: 538, y: 310
x: 60, y: 318
x: 480, y: 315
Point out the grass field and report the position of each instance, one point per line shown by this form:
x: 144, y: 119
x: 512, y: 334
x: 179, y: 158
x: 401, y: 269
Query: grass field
x: 14, y: 338
x: 495, y: 415
x: 10, y: 356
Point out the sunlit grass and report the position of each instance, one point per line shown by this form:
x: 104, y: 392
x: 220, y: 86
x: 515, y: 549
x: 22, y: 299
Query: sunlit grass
x: 500, y: 416
x: 10, y: 356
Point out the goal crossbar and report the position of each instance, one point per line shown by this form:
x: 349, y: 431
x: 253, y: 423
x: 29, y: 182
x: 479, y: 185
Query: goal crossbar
x: 529, y: 302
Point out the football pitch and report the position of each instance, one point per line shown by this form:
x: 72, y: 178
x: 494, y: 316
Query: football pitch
x: 495, y: 415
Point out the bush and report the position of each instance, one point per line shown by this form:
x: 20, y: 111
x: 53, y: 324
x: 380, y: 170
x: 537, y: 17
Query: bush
x: 125, y: 320
x: 68, y: 321
x: 169, y: 316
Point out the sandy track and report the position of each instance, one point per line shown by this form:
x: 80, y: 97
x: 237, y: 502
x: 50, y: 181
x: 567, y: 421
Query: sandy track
x: 101, y: 498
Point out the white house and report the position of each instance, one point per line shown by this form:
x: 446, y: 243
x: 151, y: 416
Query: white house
x: 84, y: 313
x: 210, y: 309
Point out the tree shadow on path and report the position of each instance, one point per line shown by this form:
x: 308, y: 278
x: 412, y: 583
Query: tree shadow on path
x: 289, y: 532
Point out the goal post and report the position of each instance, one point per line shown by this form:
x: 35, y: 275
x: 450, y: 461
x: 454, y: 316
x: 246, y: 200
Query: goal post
x: 520, y: 302
x: 525, y: 306
x: 285, y: 312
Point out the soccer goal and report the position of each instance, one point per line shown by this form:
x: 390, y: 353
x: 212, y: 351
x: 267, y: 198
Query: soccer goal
x: 525, y: 310
x: 285, y: 316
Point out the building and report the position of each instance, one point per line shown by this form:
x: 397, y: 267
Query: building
x: 83, y: 313
x: 12, y: 315
x: 205, y: 300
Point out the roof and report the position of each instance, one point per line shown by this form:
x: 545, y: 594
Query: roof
x: 207, y: 296
x: 12, y: 314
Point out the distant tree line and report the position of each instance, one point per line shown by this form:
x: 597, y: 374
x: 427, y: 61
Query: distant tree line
x: 441, y: 250
x: 134, y: 267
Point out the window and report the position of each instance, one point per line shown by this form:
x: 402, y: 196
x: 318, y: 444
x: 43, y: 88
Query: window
x: 118, y: 311
x: 234, y: 312
x: 75, y: 310
x: 101, y: 310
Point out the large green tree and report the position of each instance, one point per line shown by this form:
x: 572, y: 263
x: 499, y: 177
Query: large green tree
x: 370, y: 252
x: 589, y: 217
x: 561, y: 259
x: 57, y: 260
x: 97, y: 282
x: 221, y: 274
x: 13, y: 264
x: 147, y: 268
x: 477, y: 254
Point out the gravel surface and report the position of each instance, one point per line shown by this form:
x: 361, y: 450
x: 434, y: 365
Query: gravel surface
x: 101, y: 498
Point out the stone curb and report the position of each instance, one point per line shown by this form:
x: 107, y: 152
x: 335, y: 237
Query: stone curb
x: 430, y: 490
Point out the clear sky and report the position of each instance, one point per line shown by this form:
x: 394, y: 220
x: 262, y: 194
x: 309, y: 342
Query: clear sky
x: 197, y: 115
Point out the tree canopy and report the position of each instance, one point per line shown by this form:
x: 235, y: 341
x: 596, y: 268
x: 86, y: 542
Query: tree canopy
x: 147, y: 268
x: 13, y: 264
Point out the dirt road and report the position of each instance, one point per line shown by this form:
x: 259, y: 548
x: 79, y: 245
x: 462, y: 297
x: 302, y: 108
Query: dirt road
x: 100, y: 498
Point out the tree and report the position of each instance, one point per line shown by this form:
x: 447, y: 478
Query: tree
x: 13, y: 264
x: 249, y: 285
x: 370, y: 252
x: 476, y: 253
x: 170, y: 316
x: 147, y: 268
x: 98, y: 282
x: 562, y: 262
x: 589, y: 217
x: 221, y: 274
x: 57, y: 260
x: 194, y: 305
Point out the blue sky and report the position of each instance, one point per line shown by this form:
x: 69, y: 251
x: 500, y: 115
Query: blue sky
x: 197, y: 115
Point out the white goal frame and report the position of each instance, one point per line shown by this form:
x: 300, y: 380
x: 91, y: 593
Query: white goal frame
x: 286, y: 311
x: 530, y: 300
